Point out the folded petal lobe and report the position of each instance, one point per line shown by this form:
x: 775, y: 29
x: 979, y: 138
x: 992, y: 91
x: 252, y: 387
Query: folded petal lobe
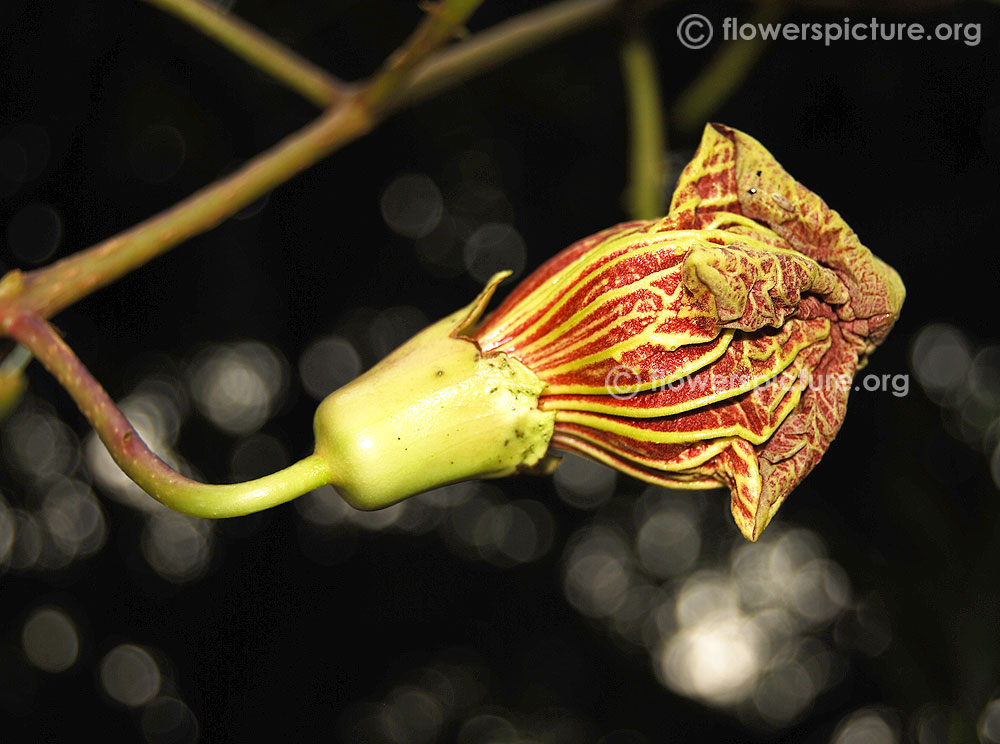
x: 714, y: 346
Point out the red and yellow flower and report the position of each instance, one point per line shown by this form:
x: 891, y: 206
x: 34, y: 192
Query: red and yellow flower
x: 713, y: 347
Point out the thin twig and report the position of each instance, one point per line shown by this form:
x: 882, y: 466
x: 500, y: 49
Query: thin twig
x: 645, y: 196
x: 27, y: 299
x: 444, y: 21
x: 48, y: 290
x: 259, y: 49
x: 506, y: 40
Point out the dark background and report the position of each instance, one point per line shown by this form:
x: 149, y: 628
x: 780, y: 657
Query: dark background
x: 902, y: 138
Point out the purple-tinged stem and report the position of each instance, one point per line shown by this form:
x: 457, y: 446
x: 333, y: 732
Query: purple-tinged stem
x: 139, y: 462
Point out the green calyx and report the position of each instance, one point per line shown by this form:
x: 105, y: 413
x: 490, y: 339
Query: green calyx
x: 435, y: 411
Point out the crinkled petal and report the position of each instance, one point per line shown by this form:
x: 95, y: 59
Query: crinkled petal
x: 712, y: 347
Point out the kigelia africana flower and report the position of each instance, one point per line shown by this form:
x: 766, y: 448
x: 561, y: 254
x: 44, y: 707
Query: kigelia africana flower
x: 713, y: 347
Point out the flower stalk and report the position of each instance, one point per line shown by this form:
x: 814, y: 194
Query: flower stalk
x: 644, y: 197
x: 140, y: 463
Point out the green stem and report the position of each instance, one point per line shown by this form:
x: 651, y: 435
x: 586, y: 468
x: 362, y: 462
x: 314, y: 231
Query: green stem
x: 724, y: 74
x: 48, y: 290
x: 139, y: 462
x: 508, y: 39
x: 646, y: 196
x: 444, y: 21
x: 260, y: 50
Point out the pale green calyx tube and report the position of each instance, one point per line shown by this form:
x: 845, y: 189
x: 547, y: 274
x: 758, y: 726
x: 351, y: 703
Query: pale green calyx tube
x: 435, y: 411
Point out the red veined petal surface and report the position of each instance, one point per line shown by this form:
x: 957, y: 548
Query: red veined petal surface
x: 713, y: 347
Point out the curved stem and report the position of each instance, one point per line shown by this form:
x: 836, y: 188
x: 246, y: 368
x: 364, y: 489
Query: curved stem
x: 311, y: 82
x: 139, y: 462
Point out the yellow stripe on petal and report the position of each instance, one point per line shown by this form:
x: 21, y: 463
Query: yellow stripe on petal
x: 649, y: 476
x: 754, y: 424
x: 672, y: 458
x: 748, y: 362
x: 709, y: 346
